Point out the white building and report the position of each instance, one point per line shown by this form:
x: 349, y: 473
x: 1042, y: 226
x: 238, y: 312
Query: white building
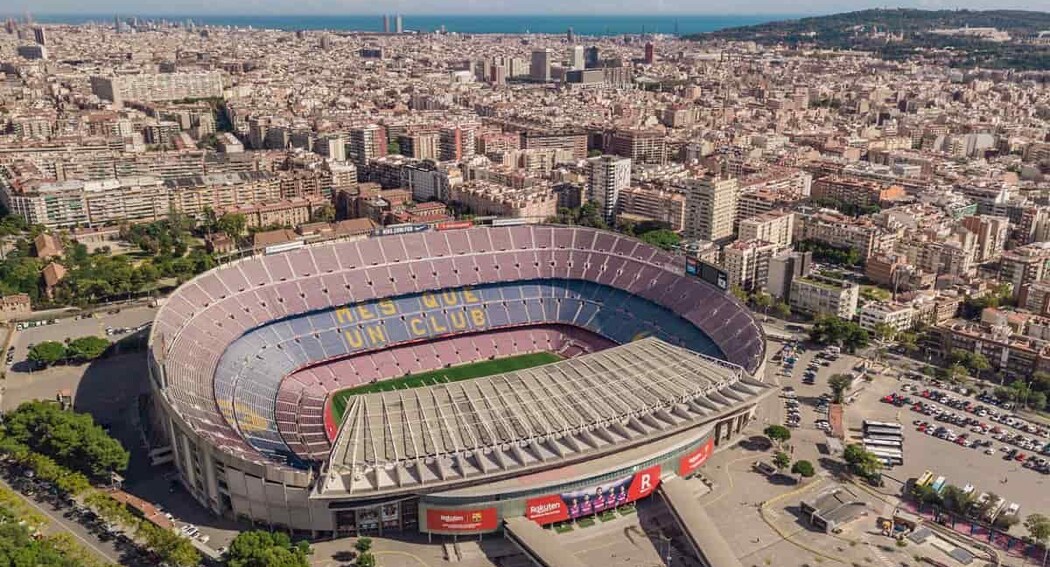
x: 777, y: 227
x: 607, y: 176
x: 816, y: 296
x: 897, y: 316
x: 711, y: 207
x: 746, y: 262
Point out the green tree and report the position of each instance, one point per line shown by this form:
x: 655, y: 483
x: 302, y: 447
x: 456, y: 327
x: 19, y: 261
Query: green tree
x: 366, y: 560
x: 47, y: 353
x: 804, y: 469
x: 259, y: 548
x: 233, y: 224
x: 839, y: 384
x: 956, y: 500
x: 763, y: 301
x: 884, y: 332
x: 926, y: 495
x: 324, y: 213
x: 782, y: 310
x: 1038, y: 527
x: 72, y: 439
x: 87, y: 348
x: 1037, y: 401
x: 739, y: 293
x: 393, y: 147
x: 781, y: 460
x: 861, y: 461
x: 777, y: 434
x: 665, y: 239
x: 363, y: 545
x: 591, y: 215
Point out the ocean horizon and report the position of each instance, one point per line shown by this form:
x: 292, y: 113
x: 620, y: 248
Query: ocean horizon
x: 584, y: 25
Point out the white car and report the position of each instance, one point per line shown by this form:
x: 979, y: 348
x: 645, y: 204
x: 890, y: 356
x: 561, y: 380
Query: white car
x: 989, y: 451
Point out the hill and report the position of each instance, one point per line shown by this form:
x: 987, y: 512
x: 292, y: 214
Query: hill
x: 900, y: 33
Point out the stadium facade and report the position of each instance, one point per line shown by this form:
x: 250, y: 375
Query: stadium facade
x: 657, y: 373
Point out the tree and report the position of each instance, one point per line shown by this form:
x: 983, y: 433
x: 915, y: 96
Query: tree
x: 777, y: 434
x: 956, y: 500
x: 763, y: 301
x: 861, y: 461
x: 665, y: 239
x: 366, y: 560
x: 739, y: 293
x: 47, y: 353
x: 884, y: 332
x: 781, y: 460
x: 87, y: 348
x: 782, y: 310
x: 72, y: 439
x: 232, y: 224
x: 978, y: 363
x: 927, y: 495
x: 1037, y: 401
x: 839, y: 384
x: 363, y: 545
x: 324, y: 213
x: 259, y: 548
x: 393, y: 147
x: 1038, y: 527
x: 804, y: 469
x: 830, y: 329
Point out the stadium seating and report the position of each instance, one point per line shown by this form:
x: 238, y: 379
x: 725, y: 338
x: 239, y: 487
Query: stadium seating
x: 227, y: 339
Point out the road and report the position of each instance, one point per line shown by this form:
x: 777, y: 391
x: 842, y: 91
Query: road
x: 57, y: 523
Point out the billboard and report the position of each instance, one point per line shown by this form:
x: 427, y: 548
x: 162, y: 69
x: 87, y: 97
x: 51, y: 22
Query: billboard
x: 708, y: 272
x: 406, y: 228
x: 594, y: 499
x: 479, y: 520
x: 453, y: 225
x: 695, y: 459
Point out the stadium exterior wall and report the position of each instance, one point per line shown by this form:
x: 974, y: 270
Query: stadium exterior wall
x: 278, y: 497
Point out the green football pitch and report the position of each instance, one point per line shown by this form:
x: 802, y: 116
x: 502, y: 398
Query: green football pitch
x: 441, y: 376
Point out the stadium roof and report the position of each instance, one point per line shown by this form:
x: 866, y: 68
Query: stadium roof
x: 538, y: 417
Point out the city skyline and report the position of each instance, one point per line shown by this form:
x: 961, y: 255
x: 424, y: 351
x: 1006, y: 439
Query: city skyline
x: 499, y: 8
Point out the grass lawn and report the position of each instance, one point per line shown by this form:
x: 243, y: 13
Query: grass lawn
x: 443, y: 375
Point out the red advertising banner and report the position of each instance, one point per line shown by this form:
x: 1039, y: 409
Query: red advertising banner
x: 482, y: 520
x: 588, y: 501
x: 454, y: 225
x: 692, y: 461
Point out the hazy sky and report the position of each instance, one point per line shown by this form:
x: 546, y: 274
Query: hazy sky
x: 492, y: 7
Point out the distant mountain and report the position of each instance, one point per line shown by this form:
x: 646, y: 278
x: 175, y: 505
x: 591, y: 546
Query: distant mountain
x: 900, y: 33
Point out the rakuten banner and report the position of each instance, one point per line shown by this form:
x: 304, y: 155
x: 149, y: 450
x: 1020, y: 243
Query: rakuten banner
x: 696, y: 459
x: 481, y: 520
x: 590, y: 501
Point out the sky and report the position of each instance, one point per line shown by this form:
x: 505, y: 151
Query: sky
x: 492, y: 7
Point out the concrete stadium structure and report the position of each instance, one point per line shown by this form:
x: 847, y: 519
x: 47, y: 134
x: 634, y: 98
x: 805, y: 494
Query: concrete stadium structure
x: 657, y: 373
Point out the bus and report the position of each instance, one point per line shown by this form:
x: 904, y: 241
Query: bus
x: 896, y: 427
x: 889, y: 456
x: 882, y: 442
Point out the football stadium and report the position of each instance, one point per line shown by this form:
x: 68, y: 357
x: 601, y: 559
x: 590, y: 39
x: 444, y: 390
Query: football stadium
x: 449, y: 381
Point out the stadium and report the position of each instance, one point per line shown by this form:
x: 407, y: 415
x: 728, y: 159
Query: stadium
x: 446, y: 381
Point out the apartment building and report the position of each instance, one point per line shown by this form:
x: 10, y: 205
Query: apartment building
x: 366, y: 143
x: 287, y: 212
x: 842, y: 231
x: 607, y: 177
x: 63, y: 204
x: 777, y: 227
x: 854, y: 191
x: 746, y: 263
x: 534, y: 204
x: 1025, y: 265
x: 897, y: 316
x: 816, y: 295
x: 153, y: 87
x: 710, y: 207
x: 642, y: 146
x: 657, y: 203
x: 991, y: 232
x: 784, y: 267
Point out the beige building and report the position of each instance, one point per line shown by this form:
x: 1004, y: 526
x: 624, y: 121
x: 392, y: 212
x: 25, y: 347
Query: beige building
x: 1025, y: 265
x: 897, y: 316
x: 991, y: 234
x: 817, y: 295
x: 710, y: 208
x: 777, y: 227
x: 746, y: 263
x: 14, y: 305
x: 153, y: 87
x: 841, y: 231
x: 659, y: 204
x: 535, y: 204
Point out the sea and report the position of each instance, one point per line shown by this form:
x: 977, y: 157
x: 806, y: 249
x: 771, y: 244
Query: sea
x: 585, y: 25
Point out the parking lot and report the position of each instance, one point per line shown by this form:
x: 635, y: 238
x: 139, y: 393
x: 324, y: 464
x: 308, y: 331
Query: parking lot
x: 962, y: 463
x: 73, y: 327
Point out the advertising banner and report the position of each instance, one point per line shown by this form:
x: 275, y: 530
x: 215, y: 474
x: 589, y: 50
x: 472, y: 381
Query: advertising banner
x: 481, y: 520
x: 592, y: 500
x: 695, y: 459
